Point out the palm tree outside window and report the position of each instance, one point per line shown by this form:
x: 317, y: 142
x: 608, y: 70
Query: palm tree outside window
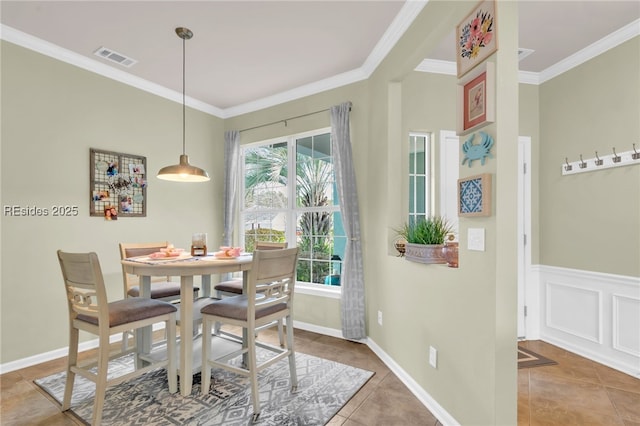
x: 302, y: 209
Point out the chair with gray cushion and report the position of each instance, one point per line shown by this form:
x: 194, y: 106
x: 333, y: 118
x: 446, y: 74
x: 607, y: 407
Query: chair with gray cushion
x: 90, y: 311
x: 234, y: 286
x: 269, y: 297
x: 162, y: 288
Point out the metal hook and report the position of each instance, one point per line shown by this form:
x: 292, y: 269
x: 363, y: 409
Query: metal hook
x: 598, y: 160
x: 636, y: 154
x: 568, y: 167
x: 616, y: 158
x: 582, y: 164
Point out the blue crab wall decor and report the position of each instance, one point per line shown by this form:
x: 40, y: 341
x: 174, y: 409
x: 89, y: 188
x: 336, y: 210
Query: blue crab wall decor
x: 479, y: 151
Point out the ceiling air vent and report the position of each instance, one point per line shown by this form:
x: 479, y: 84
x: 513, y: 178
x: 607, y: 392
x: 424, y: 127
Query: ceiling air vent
x: 116, y: 57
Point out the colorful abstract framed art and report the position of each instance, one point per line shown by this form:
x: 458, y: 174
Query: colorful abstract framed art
x: 474, y: 196
x: 476, y: 37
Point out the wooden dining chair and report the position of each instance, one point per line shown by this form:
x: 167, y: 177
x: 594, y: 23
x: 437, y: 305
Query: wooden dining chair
x: 90, y: 311
x: 234, y: 286
x: 162, y: 288
x: 269, y: 297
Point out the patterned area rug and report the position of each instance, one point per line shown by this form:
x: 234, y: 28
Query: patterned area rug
x: 323, y: 388
x: 528, y: 358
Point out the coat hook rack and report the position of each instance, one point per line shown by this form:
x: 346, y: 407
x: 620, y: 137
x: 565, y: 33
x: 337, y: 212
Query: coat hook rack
x: 599, y: 161
x: 627, y: 158
x: 582, y: 164
x: 616, y: 158
x: 568, y: 166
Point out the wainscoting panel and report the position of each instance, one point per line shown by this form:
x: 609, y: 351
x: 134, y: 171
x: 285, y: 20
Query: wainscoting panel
x: 592, y: 314
x: 574, y: 310
x: 626, y: 310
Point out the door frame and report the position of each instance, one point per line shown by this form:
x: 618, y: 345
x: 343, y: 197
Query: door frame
x: 524, y: 232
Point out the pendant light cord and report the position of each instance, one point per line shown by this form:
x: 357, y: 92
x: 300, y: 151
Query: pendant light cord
x: 183, y: 97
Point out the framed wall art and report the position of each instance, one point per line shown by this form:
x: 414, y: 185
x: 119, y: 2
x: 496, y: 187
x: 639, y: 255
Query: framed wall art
x: 118, y: 184
x: 476, y: 99
x: 476, y: 37
x: 474, y: 196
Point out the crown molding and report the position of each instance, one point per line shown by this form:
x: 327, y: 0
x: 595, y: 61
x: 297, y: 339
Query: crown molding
x: 391, y: 36
x: 339, y: 80
x: 536, y: 78
x: 394, y: 32
x: 594, y: 49
x: 54, y: 51
x: 436, y: 66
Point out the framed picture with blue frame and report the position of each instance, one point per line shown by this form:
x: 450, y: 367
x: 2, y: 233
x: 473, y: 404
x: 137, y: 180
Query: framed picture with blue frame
x: 474, y: 196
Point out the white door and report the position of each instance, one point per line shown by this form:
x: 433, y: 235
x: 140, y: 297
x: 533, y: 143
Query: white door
x: 449, y: 173
x: 524, y: 228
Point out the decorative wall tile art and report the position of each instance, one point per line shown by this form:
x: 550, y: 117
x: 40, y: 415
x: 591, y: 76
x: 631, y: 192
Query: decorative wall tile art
x: 474, y: 196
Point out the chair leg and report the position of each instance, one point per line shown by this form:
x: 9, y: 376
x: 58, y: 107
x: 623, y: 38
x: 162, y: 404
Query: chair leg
x: 253, y: 375
x: 172, y: 367
x: 72, y: 361
x: 281, y: 333
x: 292, y: 355
x: 206, y: 348
x: 101, y: 379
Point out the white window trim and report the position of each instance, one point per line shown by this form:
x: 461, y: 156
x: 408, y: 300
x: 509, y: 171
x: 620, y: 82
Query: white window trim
x: 312, y: 289
x: 329, y: 291
x: 429, y: 165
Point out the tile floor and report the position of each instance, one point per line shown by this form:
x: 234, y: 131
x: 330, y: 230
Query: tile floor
x: 574, y: 392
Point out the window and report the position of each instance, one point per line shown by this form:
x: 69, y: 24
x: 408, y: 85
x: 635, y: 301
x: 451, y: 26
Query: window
x: 420, y: 192
x: 290, y: 195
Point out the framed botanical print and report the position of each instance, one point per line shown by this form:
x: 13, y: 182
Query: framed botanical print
x: 474, y: 196
x: 476, y: 37
x: 476, y: 99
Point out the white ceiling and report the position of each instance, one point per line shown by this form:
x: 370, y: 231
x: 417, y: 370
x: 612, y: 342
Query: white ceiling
x: 247, y: 55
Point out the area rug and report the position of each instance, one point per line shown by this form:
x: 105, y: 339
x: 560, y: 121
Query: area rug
x: 528, y: 359
x: 323, y: 388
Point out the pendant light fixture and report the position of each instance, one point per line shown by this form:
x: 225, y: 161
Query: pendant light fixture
x: 183, y: 172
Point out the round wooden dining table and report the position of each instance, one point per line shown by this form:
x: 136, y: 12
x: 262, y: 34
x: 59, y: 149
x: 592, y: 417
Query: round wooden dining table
x: 186, y: 267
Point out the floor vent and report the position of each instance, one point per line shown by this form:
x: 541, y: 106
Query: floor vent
x: 116, y: 57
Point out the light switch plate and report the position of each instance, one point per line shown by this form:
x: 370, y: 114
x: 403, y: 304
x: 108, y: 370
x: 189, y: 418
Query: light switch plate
x: 475, y: 239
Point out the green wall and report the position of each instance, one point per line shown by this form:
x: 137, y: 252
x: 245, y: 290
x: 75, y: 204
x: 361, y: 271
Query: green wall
x: 52, y: 113
x: 591, y: 221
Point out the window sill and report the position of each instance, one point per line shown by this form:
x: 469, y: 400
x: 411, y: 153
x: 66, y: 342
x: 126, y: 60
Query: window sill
x: 332, y: 292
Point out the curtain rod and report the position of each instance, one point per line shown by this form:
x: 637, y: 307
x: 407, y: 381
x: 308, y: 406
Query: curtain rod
x: 286, y: 119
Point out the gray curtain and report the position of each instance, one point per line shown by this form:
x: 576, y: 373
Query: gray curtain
x: 231, y: 156
x: 352, y: 280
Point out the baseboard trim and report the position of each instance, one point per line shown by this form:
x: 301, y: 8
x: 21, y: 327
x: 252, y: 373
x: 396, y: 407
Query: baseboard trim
x: 423, y: 396
x: 591, y: 355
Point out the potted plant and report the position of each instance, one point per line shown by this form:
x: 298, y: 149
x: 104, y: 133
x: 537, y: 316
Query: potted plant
x: 425, y: 239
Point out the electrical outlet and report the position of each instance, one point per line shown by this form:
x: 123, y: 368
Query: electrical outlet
x: 380, y: 317
x: 433, y: 357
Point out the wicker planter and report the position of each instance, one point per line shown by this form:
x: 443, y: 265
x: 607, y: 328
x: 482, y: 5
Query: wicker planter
x: 430, y: 254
